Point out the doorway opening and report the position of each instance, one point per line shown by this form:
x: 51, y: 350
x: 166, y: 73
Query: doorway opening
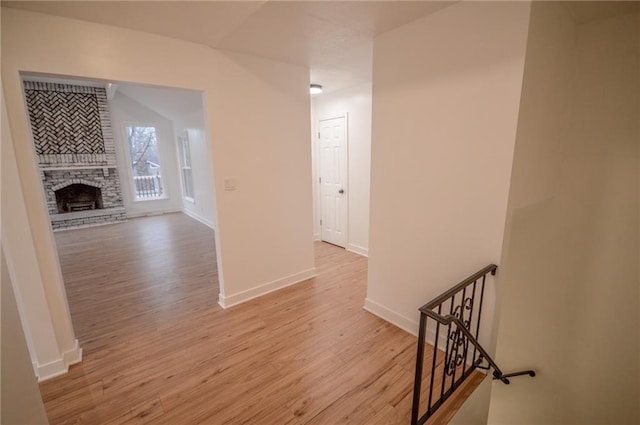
x: 135, y: 248
x: 341, y: 146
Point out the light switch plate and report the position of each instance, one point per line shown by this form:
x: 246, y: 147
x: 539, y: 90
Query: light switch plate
x: 230, y: 184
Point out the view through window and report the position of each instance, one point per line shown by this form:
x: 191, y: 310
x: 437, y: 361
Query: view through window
x: 145, y: 162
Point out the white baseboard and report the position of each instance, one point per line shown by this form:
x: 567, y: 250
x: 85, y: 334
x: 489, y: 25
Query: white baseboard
x: 391, y: 316
x: 198, y: 218
x: 409, y: 325
x: 358, y: 250
x: 136, y: 214
x: 60, y: 366
x: 227, y: 301
x: 403, y: 322
x: 316, y: 236
x: 74, y: 355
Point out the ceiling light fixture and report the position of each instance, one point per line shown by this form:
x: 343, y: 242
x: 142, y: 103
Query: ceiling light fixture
x: 315, y: 89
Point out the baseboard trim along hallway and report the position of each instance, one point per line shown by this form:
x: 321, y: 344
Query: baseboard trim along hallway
x: 227, y: 301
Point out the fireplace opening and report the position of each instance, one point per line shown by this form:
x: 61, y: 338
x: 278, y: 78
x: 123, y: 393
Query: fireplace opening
x: 78, y: 197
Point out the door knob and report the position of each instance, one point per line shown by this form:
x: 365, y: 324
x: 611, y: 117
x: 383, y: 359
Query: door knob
x: 341, y: 191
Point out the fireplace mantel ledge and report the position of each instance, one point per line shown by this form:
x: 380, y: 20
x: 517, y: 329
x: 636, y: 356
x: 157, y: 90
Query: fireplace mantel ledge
x: 44, y: 167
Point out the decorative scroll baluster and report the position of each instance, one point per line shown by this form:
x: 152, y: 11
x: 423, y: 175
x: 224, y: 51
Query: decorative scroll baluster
x: 446, y: 354
x: 460, y: 323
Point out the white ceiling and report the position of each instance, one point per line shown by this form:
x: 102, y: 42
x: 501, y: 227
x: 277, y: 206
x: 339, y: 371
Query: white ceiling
x: 169, y: 102
x: 333, y: 38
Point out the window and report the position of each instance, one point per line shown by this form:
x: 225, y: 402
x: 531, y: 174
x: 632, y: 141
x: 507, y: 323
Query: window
x: 145, y: 162
x: 185, y: 162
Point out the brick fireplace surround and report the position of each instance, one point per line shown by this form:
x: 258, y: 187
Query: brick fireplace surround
x: 72, y: 134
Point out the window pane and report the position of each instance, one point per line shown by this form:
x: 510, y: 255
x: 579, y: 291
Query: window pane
x: 186, y: 153
x: 187, y: 177
x: 188, y: 183
x: 145, y: 162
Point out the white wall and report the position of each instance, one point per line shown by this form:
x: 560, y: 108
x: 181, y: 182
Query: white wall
x: 569, y: 291
x: 184, y: 108
x: 127, y: 111
x: 446, y: 91
x: 21, y: 400
x: 263, y: 233
x: 203, y: 207
x: 356, y: 103
x: 43, y: 306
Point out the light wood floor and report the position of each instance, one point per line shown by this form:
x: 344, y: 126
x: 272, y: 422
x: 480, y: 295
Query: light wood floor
x: 158, y: 348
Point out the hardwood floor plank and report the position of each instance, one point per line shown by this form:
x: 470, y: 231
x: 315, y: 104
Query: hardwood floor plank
x: 158, y: 349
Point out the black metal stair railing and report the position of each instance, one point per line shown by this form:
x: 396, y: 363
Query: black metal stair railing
x: 463, y: 353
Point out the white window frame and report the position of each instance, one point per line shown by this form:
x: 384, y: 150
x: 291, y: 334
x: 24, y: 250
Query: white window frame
x: 129, y: 163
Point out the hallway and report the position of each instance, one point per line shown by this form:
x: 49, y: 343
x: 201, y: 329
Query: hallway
x: 159, y: 349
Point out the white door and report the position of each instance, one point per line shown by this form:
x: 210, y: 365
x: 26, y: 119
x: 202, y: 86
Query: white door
x: 333, y: 180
